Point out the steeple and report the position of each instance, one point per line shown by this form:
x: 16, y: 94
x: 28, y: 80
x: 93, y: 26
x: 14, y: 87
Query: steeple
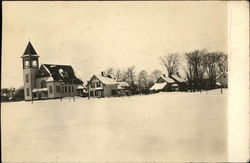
x: 30, y: 68
x: 29, y: 50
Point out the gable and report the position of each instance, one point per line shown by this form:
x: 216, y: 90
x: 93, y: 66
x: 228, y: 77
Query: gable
x: 160, y: 80
x: 42, y: 72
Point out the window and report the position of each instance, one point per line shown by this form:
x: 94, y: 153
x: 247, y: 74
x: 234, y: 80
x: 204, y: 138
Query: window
x: 58, y: 89
x: 62, y: 89
x: 92, y: 85
x: 96, y: 93
x: 43, y: 84
x: 27, y: 78
x: 50, y: 89
x: 65, y: 89
x: 73, y: 89
x: 98, y: 84
x: 27, y: 92
x: 69, y: 89
x: 26, y: 64
x: 91, y: 93
x: 34, y: 63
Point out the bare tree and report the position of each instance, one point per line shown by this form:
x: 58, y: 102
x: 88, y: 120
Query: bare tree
x: 118, y: 74
x: 156, y: 74
x: 171, y: 62
x: 196, y: 67
x: 143, y: 80
x: 223, y: 63
x: 213, y: 64
x: 130, y: 74
x: 110, y: 71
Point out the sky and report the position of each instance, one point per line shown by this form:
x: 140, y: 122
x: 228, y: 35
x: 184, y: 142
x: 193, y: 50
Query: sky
x: 93, y: 36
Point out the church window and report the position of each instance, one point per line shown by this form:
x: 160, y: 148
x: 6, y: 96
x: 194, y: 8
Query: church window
x: 26, y: 64
x: 69, y: 89
x: 43, y: 84
x: 50, y: 89
x: 34, y: 63
x: 27, y: 78
x: 58, y: 89
x: 27, y: 91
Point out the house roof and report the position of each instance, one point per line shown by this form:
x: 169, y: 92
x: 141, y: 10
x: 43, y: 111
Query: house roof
x: 167, y: 79
x: 29, y: 50
x: 63, y: 73
x: 106, y: 80
x: 80, y: 87
x: 123, y: 84
x: 158, y: 86
x: 179, y: 79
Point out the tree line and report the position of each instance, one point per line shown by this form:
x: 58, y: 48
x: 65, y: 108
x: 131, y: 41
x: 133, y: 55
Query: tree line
x: 199, y: 68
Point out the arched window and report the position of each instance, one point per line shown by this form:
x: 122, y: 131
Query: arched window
x: 43, y: 84
x: 34, y: 63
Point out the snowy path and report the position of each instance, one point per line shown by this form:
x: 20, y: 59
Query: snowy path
x: 159, y: 127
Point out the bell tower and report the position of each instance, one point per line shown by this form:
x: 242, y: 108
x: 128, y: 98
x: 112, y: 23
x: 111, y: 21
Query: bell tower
x: 30, y: 68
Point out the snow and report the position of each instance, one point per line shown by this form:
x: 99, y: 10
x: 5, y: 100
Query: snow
x: 106, y: 80
x: 167, y: 79
x: 79, y: 87
x: 178, y: 78
x: 167, y: 126
x: 40, y: 90
x: 50, y: 79
x: 123, y: 84
x: 158, y: 86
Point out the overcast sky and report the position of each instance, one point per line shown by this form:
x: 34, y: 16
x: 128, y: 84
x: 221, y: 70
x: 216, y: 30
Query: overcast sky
x: 92, y: 36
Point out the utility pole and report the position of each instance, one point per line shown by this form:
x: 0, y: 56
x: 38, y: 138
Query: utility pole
x: 221, y: 91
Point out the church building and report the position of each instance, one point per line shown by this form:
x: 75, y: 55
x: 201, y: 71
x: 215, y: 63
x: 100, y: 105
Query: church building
x: 49, y: 80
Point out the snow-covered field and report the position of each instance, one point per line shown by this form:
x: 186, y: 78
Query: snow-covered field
x: 159, y: 127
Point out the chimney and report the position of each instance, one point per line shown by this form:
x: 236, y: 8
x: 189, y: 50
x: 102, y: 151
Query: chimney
x: 103, y: 73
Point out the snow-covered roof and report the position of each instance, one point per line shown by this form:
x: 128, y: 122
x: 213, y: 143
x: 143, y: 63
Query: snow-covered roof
x: 167, y: 79
x: 158, y: 86
x: 106, y: 80
x: 40, y: 90
x: 218, y: 84
x: 123, y: 84
x: 50, y: 79
x: 175, y: 85
x: 179, y: 79
x: 119, y: 87
x: 79, y: 87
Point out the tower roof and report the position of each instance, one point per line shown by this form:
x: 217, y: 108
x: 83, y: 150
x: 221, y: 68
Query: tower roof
x: 29, y: 50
